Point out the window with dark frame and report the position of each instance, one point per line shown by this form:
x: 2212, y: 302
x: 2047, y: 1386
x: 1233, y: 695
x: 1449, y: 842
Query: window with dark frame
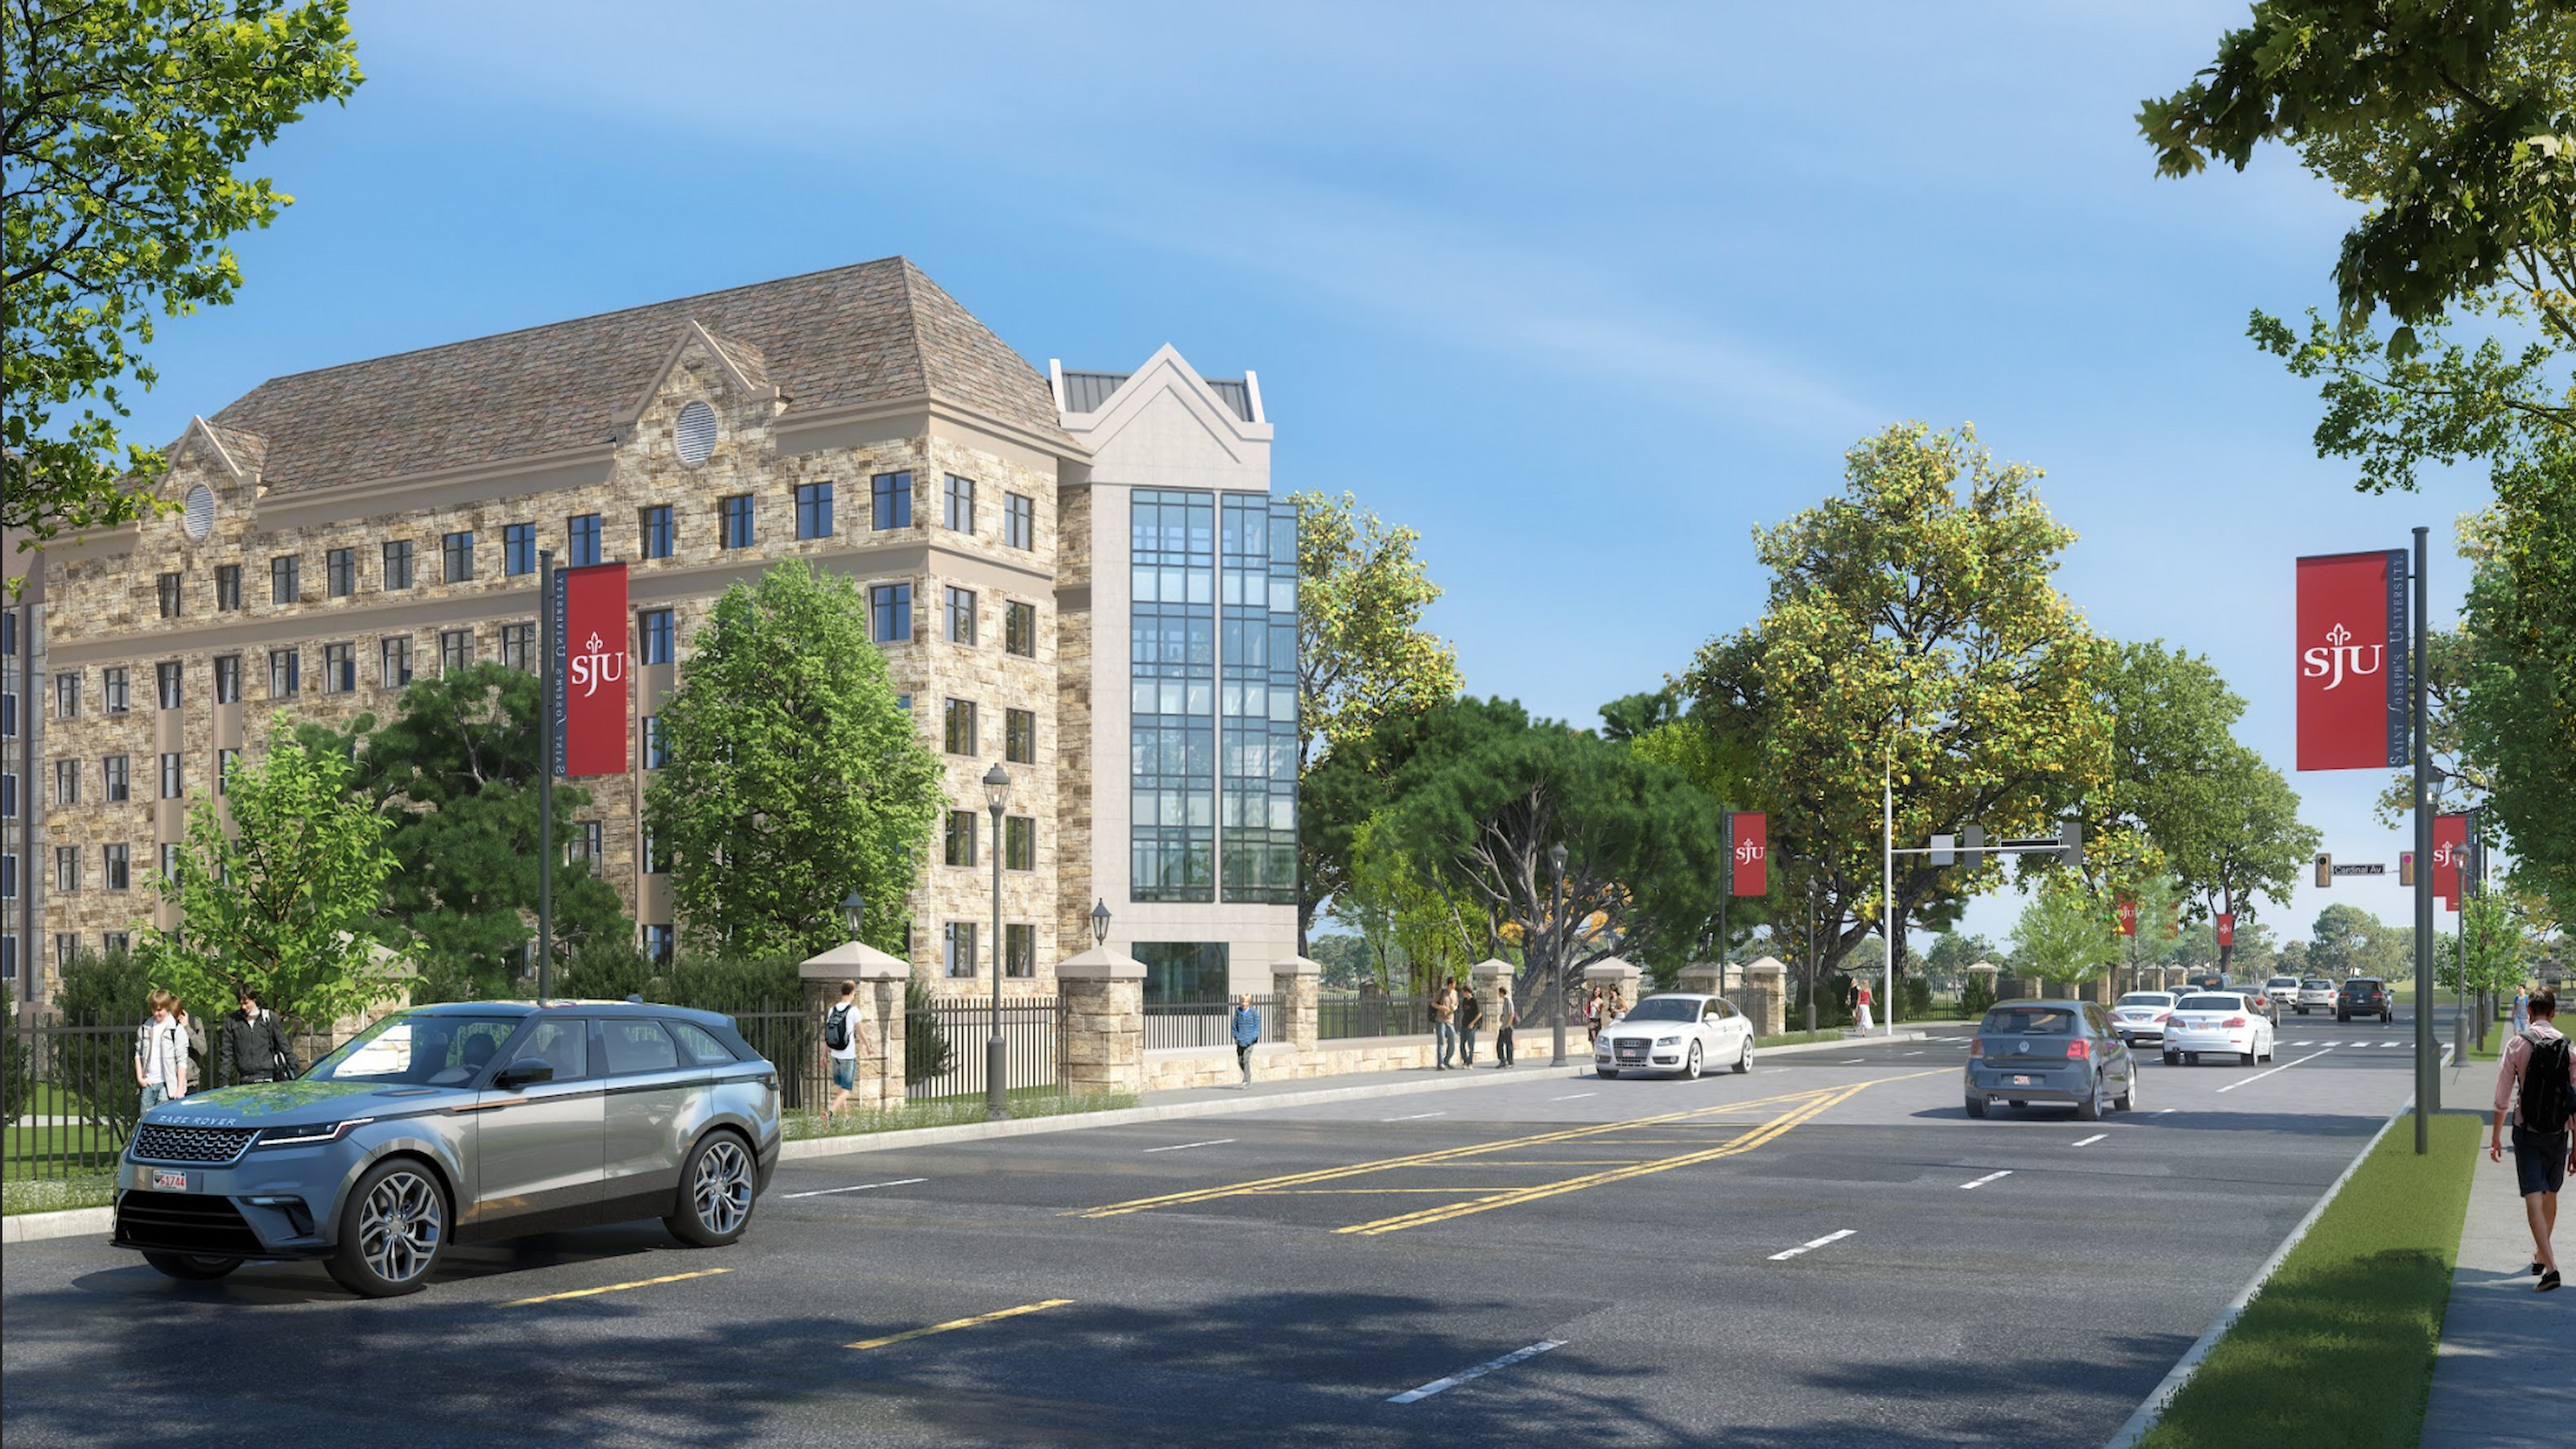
x: 393, y: 661
x: 225, y: 760
x: 654, y: 631
x: 285, y: 673
x: 657, y: 754
x: 166, y: 682
x: 1020, y: 629
x: 456, y: 557
x: 960, y: 727
x: 171, y: 788
x: 518, y: 548
x: 115, y: 780
x: 227, y: 588
x: 1019, y: 520
x: 734, y: 519
x: 170, y: 861
x: 961, y: 615
x: 960, y: 504
x: 340, y: 572
x: 1020, y: 736
x: 67, y: 694
x: 651, y: 849
x: 228, y: 679
x: 455, y: 650
x: 890, y: 613
x: 339, y: 668
x: 519, y: 647
x: 583, y: 844
x: 116, y: 862
x: 581, y: 540
x: 1019, y: 949
x: 957, y: 948
x: 813, y: 510
x: 67, y: 868
x: 170, y: 596
x: 113, y: 696
x: 653, y: 525
x: 1019, y: 842
x: 960, y: 840
x: 285, y: 579
x: 890, y: 500
x: 67, y: 776
x: 398, y: 564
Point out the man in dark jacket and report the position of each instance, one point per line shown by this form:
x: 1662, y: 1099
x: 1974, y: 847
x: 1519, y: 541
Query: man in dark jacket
x: 255, y: 1043
x: 1471, y: 1015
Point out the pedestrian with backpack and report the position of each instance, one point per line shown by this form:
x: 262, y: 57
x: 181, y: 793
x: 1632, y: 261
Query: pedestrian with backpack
x: 2536, y: 1080
x: 1246, y: 1031
x: 254, y: 1044
x: 842, y: 1031
x: 1471, y: 1015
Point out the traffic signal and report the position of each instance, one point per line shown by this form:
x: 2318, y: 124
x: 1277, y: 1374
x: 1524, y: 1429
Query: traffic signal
x: 2070, y: 844
x: 2406, y: 867
x: 1974, y: 852
x: 2325, y: 871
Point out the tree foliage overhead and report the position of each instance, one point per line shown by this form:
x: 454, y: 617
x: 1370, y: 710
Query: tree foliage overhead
x: 125, y: 122
x: 795, y: 775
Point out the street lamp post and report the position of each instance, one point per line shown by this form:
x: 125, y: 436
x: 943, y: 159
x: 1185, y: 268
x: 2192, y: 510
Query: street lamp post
x: 1556, y: 947
x: 997, y: 785
x: 1099, y: 922
x: 854, y: 909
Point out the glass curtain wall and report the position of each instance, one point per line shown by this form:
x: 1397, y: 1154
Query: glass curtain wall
x: 1257, y: 644
x: 1172, y: 725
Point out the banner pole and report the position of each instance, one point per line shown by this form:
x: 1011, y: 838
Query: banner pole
x: 545, y: 772
x: 2427, y: 1081
x: 1725, y: 888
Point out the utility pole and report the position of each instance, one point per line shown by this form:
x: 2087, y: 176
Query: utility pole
x: 549, y: 634
x: 2428, y: 1082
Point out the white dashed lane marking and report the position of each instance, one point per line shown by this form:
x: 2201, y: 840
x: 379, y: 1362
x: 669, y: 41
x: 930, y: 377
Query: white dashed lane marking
x: 1186, y: 1146
x: 2089, y: 1141
x: 1415, y: 1396
x: 1813, y: 1244
x: 861, y: 1187
x: 1989, y: 1177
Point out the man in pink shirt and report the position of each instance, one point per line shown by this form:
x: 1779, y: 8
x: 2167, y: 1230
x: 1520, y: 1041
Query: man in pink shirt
x: 2536, y: 1080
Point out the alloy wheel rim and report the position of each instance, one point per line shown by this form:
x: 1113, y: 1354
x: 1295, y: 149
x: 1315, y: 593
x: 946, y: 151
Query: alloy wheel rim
x: 723, y: 1188
x: 399, y: 1226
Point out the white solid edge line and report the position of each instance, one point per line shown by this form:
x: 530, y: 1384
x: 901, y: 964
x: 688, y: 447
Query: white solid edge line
x: 1811, y: 1246
x: 1186, y: 1146
x: 2089, y: 1141
x: 1415, y: 1396
x: 1989, y: 1177
x: 1415, y: 1117
x: 2145, y: 1418
x: 2283, y: 1067
x: 862, y: 1187
x: 1570, y: 1096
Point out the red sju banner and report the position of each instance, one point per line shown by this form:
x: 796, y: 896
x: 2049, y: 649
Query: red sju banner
x: 2226, y: 929
x: 1749, y: 854
x: 590, y: 670
x: 2353, y: 707
x: 2450, y: 852
x: 2128, y: 915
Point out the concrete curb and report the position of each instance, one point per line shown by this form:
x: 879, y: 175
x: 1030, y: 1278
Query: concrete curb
x: 2145, y: 1418
x: 36, y: 1227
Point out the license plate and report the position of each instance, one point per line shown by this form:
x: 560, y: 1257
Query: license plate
x: 169, y: 1181
x: 2021, y: 1081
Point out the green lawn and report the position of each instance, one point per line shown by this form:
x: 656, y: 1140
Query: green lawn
x: 46, y: 1195
x: 2338, y: 1347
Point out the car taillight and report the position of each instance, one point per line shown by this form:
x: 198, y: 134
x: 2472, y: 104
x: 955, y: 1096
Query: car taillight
x: 2164, y: 1015
x: 1977, y: 1048
x: 2079, y: 1050
x: 2234, y: 1021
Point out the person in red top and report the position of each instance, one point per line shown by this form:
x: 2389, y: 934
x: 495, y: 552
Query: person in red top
x: 2536, y: 1079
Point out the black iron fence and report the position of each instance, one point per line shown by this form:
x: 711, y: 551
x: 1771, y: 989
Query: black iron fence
x: 945, y: 1045
x: 68, y: 1092
x: 1171, y: 1024
x: 1340, y: 1017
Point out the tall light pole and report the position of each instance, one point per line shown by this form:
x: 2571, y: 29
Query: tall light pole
x: 547, y: 629
x: 997, y: 786
x: 1556, y: 946
x: 1887, y: 885
x: 2428, y: 1080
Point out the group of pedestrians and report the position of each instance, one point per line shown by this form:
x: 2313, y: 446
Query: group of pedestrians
x: 2536, y: 1083
x: 1603, y: 1006
x: 1457, y: 1014
x: 254, y: 1047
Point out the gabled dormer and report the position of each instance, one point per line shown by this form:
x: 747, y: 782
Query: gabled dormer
x: 1166, y: 425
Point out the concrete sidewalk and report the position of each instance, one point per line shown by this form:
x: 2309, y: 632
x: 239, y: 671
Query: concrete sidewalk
x: 2501, y: 1380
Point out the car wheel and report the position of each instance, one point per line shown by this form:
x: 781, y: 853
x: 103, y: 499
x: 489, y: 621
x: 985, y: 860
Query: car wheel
x: 1976, y: 1106
x: 2192, y: 1057
x: 715, y: 1192
x: 2245, y: 1059
x: 1744, y: 1058
x: 2173, y: 1059
x: 1690, y: 1064
x: 191, y: 1267
x: 2090, y: 1109
x: 2127, y: 1101
x: 2340, y: 1016
x: 393, y: 1226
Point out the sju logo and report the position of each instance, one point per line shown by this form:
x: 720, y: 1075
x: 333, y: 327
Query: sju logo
x: 2339, y: 656
x: 1747, y: 852
x: 597, y: 667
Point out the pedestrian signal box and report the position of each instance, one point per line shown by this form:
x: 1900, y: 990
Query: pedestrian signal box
x: 2325, y: 871
x: 2406, y: 867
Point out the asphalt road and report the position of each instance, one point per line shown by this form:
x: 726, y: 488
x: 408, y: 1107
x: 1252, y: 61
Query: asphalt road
x: 1825, y: 1252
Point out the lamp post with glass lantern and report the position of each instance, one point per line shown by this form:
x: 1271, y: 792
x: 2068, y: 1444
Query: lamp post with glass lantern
x: 1556, y: 947
x: 1099, y: 922
x: 997, y: 784
x: 854, y: 909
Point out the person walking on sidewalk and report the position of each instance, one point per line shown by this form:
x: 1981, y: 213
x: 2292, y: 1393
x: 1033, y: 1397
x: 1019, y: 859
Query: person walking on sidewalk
x: 1444, y: 1024
x: 1471, y: 1015
x: 2521, y: 1007
x: 161, y: 1053
x: 1247, y: 1034
x: 1505, y: 1017
x: 2536, y: 1079
x: 255, y: 1044
x: 842, y: 1031
x: 1860, y: 1005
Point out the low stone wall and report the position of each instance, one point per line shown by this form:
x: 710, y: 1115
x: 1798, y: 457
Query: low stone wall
x: 1179, y: 1067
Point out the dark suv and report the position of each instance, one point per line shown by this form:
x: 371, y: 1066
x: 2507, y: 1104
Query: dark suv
x: 2364, y: 996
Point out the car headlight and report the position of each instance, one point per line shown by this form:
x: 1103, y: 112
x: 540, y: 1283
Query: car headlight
x: 311, y: 1134
x: 1668, y: 1041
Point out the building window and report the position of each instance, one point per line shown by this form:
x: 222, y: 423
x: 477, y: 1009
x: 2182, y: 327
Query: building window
x: 583, y: 845
x: 398, y: 564
x: 112, y: 693
x: 66, y: 948
x: 1019, y: 520
x: 169, y: 596
x: 1183, y: 970
x: 340, y: 572
x: 957, y: 948
x: 114, y: 943
x: 960, y: 495
x: 456, y: 557
x: 961, y: 837
x: 67, y: 775
x: 1172, y: 701
x: 393, y: 661
x: 67, y: 868
x: 116, y: 863
x: 285, y: 579
x: 961, y: 727
x: 339, y: 668
x: 657, y: 944
x: 734, y: 521
x: 813, y: 510
x: 1020, y: 736
x: 9, y: 878
x: 9, y: 796
x: 170, y: 862
x: 166, y: 681
x: 171, y: 788
x: 890, y: 500
x: 285, y: 673
x: 1019, y: 950
x: 227, y: 588
x: 518, y: 548
x: 1019, y: 842
x: 455, y: 650
x: 656, y: 753
x: 227, y: 679
x: 114, y: 779
x: 890, y: 613
x: 961, y: 615
x: 67, y: 695
x: 1257, y: 712
x: 226, y: 760
x: 655, y: 627
x: 1020, y: 629
x: 581, y: 536
x: 654, y: 864
x: 519, y: 647
x: 654, y: 524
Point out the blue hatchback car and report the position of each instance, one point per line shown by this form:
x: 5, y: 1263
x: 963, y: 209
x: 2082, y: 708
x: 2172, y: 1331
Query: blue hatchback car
x: 2061, y: 1052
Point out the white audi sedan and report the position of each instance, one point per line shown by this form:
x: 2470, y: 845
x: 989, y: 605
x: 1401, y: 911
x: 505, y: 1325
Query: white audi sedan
x: 2217, y: 1021
x: 2316, y: 994
x: 2141, y: 1014
x: 1677, y: 1034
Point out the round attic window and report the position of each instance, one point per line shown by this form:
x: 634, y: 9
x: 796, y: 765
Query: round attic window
x: 199, y: 520
x: 695, y: 433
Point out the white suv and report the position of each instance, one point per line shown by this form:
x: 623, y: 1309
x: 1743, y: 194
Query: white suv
x: 2283, y: 990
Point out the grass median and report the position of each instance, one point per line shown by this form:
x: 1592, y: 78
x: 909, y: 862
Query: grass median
x: 2338, y: 1347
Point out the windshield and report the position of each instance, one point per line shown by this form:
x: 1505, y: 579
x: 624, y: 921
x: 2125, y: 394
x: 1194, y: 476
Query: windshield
x: 2283, y: 981
x: 2212, y: 1003
x: 425, y: 1050
x: 2145, y: 998
x: 2316, y: 983
x: 2029, y: 1021
x: 1664, y: 1008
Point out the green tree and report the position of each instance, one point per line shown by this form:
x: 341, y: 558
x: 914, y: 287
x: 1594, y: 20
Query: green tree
x: 794, y: 774
x: 1346, y: 959
x: 455, y: 772
x: 2244, y: 843
x: 277, y: 887
x: 2340, y: 941
x: 2063, y: 936
x: 1914, y: 636
x: 122, y: 125
x: 2507, y: 718
x: 1411, y: 924
x: 1953, y: 952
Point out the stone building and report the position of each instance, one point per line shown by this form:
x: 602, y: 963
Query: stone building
x: 344, y: 530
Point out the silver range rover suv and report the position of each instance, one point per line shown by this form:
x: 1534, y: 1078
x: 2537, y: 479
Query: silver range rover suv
x: 458, y: 1123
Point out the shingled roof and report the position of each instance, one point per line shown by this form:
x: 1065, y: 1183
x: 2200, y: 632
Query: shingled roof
x: 872, y: 332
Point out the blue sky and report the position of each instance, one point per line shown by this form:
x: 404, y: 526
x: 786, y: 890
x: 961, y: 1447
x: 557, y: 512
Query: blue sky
x: 1585, y: 293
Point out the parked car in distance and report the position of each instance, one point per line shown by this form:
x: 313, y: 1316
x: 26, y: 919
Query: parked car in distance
x: 1675, y: 1033
x: 2316, y: 994
x: 458, y: 1123
x: 2061, y: 1052
x: 2218, y: 1021
x: 2364, y: 996
x: 2283, y: 991
x: 2141, y: 1014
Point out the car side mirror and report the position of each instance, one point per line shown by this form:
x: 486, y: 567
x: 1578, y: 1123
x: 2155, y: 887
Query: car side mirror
x: 520, y: 1074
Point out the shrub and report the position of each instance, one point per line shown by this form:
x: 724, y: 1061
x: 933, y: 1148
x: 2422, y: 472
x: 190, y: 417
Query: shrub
x: 1917, y: 991
x: 17, y: 1063
x: 926, y: 1052
x: 1978, y: 995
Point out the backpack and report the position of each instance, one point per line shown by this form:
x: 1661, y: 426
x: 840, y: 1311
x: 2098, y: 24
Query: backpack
x: 836, y: 1029
x: 2545, y: 1104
